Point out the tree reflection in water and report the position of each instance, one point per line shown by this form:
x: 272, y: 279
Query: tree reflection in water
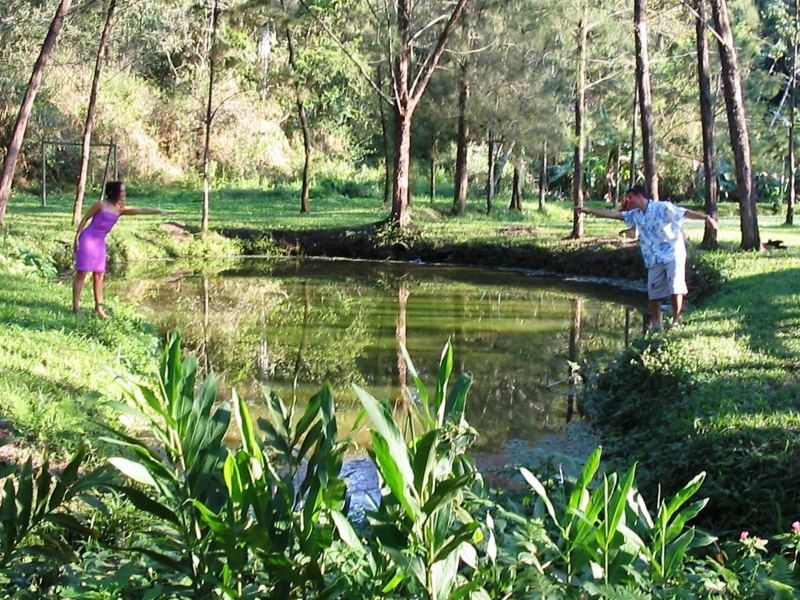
x: 294, y: 324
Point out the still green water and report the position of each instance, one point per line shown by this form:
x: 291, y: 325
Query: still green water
x: 294, y: 324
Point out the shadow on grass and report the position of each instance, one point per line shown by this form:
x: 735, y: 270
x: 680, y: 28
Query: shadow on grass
x: 772, y: 315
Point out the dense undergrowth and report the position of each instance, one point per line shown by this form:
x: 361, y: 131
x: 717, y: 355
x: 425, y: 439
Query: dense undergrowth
x: 181, y: 513
x: 721, y: 396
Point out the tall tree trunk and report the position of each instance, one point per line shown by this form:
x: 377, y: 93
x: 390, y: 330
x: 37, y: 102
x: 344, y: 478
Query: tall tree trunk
x: 402, y: 168
x: 407, y: 99
x: 516, y: 191
x: 500, y: 164
x: 634, y: 112
x: 706, y: 120
x: 791, y: 199
x: 645, y: 97
x: 303, y: 118
x: 618, y: 181
x: 462, y: 146
x: 387, y: 143
x: 14, y: 146
x: 434, y: 144
x: 490, y: 175
x: 543, y: 178
x: 580, y: 131
x: 209, y: 117
x: 88, y: 127
x: 737, y: 123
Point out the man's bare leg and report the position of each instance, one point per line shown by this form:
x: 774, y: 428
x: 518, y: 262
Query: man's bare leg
x: 655, y: 315
x: 677, y: 309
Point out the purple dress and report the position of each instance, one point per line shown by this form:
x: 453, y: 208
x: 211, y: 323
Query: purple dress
x: 91, y: 253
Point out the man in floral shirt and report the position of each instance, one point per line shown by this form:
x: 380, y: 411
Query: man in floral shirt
x: 662, y: 244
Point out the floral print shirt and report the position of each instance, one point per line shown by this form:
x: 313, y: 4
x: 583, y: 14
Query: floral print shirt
x: 660, y: 235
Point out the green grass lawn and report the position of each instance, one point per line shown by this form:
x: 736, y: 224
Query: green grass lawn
x: 721, y: 395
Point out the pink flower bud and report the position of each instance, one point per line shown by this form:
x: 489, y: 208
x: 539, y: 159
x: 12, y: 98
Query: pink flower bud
x: 744, y: 535
x: 796, y: 526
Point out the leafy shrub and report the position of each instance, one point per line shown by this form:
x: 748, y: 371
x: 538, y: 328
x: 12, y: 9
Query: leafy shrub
x: 348, y: 187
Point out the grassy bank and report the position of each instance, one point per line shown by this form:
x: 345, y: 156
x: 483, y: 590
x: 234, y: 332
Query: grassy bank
x: 720, y: 395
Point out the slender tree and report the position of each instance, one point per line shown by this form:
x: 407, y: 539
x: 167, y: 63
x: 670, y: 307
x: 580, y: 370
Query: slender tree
x: 86, y: 145
x: 582, y: 40
x: 462, y: 144
x: 209, y: 114
x: 706, y: 119
x: 408, y: 92
x: 492, y: 162
x: 737, y: 124
x: 543, y: 178
x: 516, y: 189
x: 645, y: 97
x: 791, y: 196
x: 302, y: 117
x: 12, y: 153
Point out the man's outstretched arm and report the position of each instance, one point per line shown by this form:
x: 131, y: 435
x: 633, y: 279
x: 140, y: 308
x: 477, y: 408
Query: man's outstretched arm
x: 600, y: 212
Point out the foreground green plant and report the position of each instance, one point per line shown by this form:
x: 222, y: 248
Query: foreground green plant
x: 604, y: 539
x: 36, y: 518
x: 230, y: 523
x: 421, y: 533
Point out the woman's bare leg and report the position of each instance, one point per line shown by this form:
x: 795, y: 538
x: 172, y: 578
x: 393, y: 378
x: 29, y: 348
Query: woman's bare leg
x: 97, y: 281
x: 77, y: 288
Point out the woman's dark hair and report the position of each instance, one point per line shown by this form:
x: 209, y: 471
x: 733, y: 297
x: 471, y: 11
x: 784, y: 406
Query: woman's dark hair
x: 114, y: 191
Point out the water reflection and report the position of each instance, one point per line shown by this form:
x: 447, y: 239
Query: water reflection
x: 293, y: 325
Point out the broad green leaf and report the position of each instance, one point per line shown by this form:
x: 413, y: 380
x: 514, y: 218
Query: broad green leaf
x: 247, y: 432
x: 233, y: 479
x: 445, y: 369
x: 67, y: 478
x: 144, y: 503
x: 127, y: 409
x: 386, y: 427
x: 175, y: 566
x: 424, y: 461
x: 460, y: 536
x: 347, y: 533
x: 392, y: 583
x: 686, y: 492
x: 71, y: 523
x: 579, y: 496
x: 214, y: 522
x: 445, y: 492
x: 311, y: 412
x: 457, y: 399
x: 675, y: 553
x: 134, y: 470
x: 393, y: 476
x: 540, y: 491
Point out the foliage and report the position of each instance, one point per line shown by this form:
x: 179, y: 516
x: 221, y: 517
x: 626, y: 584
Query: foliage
x: 677, y: 404
x: 217, y: 512
x: 37, y: 520
x: 606, y: 539
x: 421, y: 530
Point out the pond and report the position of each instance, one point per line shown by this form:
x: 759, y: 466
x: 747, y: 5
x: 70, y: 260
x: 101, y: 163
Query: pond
x: 294, y: 324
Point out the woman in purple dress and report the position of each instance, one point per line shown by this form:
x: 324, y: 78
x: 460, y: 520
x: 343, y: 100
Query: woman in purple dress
x: 90, y: 242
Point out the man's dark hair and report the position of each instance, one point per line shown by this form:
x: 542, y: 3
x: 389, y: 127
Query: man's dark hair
x: 637, y: 189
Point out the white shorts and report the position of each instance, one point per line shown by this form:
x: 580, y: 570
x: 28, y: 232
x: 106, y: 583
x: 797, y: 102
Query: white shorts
x: 667, y: 280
